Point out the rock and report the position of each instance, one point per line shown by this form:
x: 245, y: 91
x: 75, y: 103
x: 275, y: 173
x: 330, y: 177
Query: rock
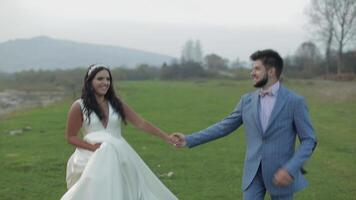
x: 27, y: 128
x: 169, y: 174
x: 20, y: 131
x: 16, y: 132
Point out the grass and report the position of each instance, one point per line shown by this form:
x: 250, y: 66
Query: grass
x: 33, y: 162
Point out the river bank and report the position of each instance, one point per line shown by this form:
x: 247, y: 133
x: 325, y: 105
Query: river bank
x: 13, y: 100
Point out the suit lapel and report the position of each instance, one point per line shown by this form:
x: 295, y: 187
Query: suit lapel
x: 280, y: 102
x: 255, y: 103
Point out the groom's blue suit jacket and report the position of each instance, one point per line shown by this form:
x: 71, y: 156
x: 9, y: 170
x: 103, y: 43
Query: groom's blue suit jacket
x: 274, y: 148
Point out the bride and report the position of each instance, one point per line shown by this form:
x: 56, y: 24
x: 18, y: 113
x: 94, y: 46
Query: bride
x: 104, y: 166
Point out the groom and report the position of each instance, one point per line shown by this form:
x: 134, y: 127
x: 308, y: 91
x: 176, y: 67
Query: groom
x: 273, y: 117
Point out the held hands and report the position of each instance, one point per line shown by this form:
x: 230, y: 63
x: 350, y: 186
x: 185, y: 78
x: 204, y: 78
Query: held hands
x: 282, y: 177
x: 178, y: 140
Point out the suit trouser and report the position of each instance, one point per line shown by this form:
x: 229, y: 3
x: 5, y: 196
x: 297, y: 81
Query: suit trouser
x: 257, y: 190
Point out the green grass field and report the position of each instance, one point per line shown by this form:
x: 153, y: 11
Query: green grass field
x: 33, y: 162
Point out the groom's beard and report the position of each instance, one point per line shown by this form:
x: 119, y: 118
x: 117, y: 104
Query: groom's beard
x: 262, y: 82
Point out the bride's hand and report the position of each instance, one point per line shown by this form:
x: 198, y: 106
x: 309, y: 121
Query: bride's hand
x: 95, y: 146
x: 167, y: 139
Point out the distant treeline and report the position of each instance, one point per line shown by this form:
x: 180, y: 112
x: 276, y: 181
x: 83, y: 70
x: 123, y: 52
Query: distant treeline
x: 70, y: 80
x: 308, y: 62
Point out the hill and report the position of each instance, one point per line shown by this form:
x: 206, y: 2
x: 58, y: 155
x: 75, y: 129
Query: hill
x: 49, y: 53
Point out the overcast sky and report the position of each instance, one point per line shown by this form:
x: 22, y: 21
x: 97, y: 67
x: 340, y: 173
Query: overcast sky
x: 230, y: 28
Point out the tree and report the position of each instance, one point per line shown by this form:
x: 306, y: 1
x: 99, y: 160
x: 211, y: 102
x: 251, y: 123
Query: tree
x: 239, y: 64
x: 187, y: 52
x: 215, y: 62
x: 334, y: 21
x: 308, y: 58
x: 198, y: 53
x: 145, y: 72
x: 182, y: 71
x: 350, y: 61
x: 345, y: 30
x: 192, y: 52
x: 321, y: 16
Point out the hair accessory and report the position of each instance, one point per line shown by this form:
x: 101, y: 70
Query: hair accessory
x: 95, y: 67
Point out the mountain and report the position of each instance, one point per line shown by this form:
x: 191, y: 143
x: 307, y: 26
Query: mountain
x: 48, y: 53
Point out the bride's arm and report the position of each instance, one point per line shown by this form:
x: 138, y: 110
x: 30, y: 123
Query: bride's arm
x: 140, y: 123
x: 74, y: 122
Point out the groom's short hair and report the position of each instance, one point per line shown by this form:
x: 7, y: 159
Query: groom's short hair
x: 269, y: 58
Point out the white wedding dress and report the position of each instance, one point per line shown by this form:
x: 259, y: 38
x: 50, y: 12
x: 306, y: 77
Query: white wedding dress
x: 114, y: 171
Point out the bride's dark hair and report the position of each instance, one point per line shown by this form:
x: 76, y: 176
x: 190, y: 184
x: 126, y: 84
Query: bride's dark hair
x: 88, y: 96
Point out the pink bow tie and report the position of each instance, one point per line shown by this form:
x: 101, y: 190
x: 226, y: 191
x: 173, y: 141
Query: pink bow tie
x: 263, y: 93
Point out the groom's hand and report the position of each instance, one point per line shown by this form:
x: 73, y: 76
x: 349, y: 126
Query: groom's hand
x: 178, y: 139
x: 282, y: 177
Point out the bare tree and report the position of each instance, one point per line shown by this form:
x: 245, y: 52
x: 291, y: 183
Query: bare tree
x: 192, y: 51
x: 334, y: 22
x: 321, y: 16
x: 188, y: 51
x: 345, y: 30
x: 308, y: 58
x: 198, y: 52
